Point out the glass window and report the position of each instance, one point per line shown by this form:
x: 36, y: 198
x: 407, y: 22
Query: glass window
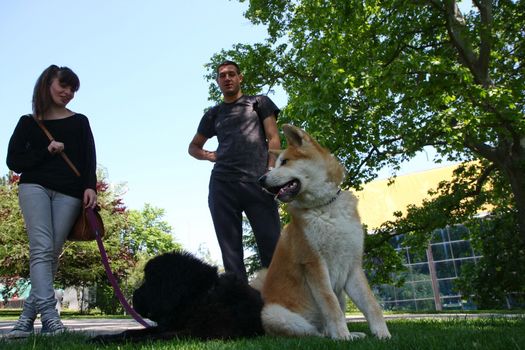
x: 461, y: 249
x: 446, y: 287
x: 468, y: 305
x: 441, y: 251
x: 438, y: 236
x: 427, y: 304
x: 406, y: 305
x: 476, y: 251
x: 445, y: 269
x: 403, y: 252
x: 462, y: 262
x: 404, y: 275
x: 423, y: 289
x: 388, y: 305
x: 453, y: 303
x: 397, y: 240
x: 420, y: 272
x: 406, y: 291
x: 386, y: 292
x: 457, y: 232
x: 417, y: 257
x: 450, y: 250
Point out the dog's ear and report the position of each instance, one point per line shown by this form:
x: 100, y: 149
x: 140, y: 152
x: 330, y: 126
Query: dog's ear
x: 335, y: 170
x: 295, y: 136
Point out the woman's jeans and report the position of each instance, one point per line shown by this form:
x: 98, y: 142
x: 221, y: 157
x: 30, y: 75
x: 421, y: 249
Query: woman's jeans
x: 48, y: 217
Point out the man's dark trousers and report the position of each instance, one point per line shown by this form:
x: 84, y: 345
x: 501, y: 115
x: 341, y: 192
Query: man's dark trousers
x: 227, y: 201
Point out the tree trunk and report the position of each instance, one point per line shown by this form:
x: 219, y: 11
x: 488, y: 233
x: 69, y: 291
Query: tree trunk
x: 516, y: 177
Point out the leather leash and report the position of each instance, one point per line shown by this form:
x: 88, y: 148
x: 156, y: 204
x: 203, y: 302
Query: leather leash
x: 109, y: 273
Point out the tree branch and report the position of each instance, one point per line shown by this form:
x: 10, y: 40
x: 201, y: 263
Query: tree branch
x: 485, y: 9
x: 482, y: 149
x: 456, y: 28
x: 483, y: 178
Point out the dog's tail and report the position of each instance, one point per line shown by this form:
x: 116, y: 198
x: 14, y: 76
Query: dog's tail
x: 258, y: 281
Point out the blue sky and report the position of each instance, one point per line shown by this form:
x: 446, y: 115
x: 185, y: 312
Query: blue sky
x: 141, y: 69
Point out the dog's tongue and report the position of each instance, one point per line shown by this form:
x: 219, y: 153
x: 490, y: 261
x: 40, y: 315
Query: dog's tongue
x: 286, y: 188
x: 281, y: 191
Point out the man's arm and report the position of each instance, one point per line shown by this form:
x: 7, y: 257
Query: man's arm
x: 272, y: 135
x: 197, y: 151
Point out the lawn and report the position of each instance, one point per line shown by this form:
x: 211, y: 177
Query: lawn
x: 482, y: 333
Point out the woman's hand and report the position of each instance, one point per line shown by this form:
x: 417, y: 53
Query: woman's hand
x: 55, y: 147
x: 90, y: 198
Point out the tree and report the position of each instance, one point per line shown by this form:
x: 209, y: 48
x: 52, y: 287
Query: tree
x: 132, y: 237
x: 203, y: 253
x: 143, y: 236
x: 12, y: 254
x: 252, y: 261
x: 147, y: 233
x: 498, y: 278
x: 376, y: 82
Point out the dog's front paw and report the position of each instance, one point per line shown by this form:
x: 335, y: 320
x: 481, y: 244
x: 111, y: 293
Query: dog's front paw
x: 339, y: 331
x: 349, y: 335
x: 356, y: 335
x: 381, y: 331
x: 383, y: 334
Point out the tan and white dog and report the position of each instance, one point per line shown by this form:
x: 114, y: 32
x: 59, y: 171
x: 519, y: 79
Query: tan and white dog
x: 319, y: 255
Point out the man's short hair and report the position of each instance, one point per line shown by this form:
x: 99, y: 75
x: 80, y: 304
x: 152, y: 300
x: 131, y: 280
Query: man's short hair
x: 228, y: 63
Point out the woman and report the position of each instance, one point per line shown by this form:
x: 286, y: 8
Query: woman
x: 50, y: 194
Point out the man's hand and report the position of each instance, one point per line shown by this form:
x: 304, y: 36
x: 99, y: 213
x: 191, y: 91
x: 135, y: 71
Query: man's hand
x: 208, y: 155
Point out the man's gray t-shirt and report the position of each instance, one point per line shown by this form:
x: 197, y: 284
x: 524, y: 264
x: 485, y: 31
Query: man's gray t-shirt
x: 242, y: 152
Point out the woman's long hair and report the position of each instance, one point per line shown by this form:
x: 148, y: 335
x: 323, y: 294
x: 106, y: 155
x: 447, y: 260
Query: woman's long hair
x: 41, y: 95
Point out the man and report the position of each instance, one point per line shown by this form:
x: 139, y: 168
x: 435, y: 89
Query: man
x: 246, y: 128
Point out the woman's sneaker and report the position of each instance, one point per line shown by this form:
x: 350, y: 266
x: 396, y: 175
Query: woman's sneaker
x: 52, y: 326
x: 23, y: 328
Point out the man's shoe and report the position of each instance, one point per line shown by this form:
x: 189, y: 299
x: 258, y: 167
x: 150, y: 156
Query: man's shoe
x: 52, y: 326
x: 23, y: 328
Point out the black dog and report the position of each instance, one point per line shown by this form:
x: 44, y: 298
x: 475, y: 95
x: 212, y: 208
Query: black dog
x: 187, y: 298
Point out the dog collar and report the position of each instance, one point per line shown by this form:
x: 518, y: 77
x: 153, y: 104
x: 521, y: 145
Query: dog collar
x: 331, y: 199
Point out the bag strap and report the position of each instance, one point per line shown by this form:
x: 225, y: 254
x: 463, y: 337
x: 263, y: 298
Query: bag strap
x: 51, y: 139
x: 93, y: 223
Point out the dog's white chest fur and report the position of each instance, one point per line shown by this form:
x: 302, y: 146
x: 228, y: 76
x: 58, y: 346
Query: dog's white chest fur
x: 337, y: 236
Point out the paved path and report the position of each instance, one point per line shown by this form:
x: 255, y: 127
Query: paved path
x: 359, y: 318
x: 88, y: 325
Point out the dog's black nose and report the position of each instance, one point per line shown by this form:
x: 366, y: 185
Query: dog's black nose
x: 262, y: 180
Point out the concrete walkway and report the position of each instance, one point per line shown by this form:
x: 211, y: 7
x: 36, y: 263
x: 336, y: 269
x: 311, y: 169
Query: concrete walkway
x: 444, y: 316
x: 89, y: 326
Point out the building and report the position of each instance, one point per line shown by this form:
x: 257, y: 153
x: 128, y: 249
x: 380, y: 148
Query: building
x: 430, y: 276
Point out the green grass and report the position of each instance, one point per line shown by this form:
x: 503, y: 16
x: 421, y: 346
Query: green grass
x: 480, y: 334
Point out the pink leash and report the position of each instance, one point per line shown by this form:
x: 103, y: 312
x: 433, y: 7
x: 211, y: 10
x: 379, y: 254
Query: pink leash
x: 111, y: 277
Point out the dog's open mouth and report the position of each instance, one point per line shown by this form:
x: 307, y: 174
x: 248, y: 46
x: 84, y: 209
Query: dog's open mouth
x: 286, y: 192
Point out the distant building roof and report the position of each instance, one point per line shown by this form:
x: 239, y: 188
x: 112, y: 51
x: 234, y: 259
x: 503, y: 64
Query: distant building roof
x: 378, y: 200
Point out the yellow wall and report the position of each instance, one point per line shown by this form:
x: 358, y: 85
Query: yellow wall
x: 378, y: 201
